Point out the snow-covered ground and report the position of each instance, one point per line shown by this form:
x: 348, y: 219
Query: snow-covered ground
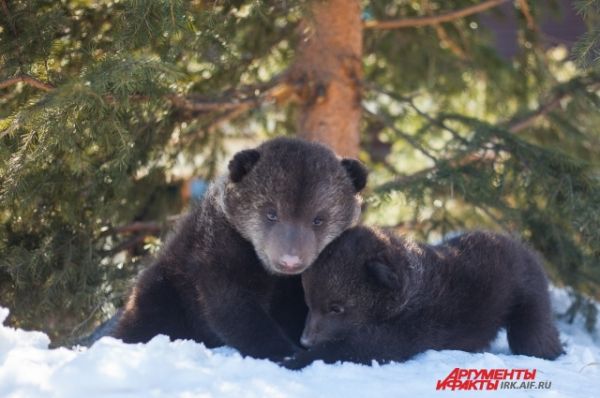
x: 160, y: 368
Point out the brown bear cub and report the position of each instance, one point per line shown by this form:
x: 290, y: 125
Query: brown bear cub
x: 374, y: 296
x: 229, y: 275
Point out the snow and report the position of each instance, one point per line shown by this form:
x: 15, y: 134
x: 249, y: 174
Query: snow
x: 185, y: 369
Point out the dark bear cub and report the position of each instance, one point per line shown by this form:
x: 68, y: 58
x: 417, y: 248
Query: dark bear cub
x: 374, y: 296
x: 229, y: 275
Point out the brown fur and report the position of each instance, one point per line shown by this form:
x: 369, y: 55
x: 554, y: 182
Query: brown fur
x: 220, y: 278
x: 374, y: 296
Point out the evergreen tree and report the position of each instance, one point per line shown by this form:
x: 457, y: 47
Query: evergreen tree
x: 108, y: 107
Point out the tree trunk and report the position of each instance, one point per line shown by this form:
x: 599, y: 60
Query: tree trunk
x: 328, y: 70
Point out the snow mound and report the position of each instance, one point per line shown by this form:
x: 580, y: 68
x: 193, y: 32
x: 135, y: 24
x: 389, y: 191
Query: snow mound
x: 186, y: 369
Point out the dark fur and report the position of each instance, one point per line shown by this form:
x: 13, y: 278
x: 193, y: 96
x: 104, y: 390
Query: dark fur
x: 400, y: 298
x: 217, y: 280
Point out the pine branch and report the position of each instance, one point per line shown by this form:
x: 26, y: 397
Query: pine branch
x: 230, y: 115
x: 407, y: 137
x: 514, y: 125
x: 233, y: 104
x: 442, y: 34
x: 520, y: 124
x: 409, y: 101
x: 199, y: 105
x: 526, y: 10
x: 141, y: 227
x: 149, y: 228
x: 434, y: 20
x: 245, y: 97
x: 29, y: 80
x: 126, y: 245
x: 138, y: 231
x: 451, y: 44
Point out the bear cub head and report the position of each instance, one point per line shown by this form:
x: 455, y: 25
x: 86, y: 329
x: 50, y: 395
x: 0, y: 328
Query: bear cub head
x: 290, y: 198
x: 361, y: 279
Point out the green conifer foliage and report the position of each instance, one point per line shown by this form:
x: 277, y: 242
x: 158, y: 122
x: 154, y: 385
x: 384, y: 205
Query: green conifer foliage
x: 103, y: 103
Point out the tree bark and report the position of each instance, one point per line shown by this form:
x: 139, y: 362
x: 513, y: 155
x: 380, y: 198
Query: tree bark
x: 328, y: 73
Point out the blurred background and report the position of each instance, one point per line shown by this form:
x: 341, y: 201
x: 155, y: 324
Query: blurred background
x: 116, y: 114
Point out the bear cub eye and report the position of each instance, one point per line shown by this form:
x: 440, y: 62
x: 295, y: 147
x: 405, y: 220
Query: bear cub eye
x: 336, y: 309
x: 318, y: 220
x: 272, y: 215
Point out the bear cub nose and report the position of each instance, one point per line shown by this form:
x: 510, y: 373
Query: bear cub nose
x: 290, y: 262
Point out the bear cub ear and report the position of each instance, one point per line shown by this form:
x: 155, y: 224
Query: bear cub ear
x: 242, y: 163
x: 357, y: 171
x: 384, y: 275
